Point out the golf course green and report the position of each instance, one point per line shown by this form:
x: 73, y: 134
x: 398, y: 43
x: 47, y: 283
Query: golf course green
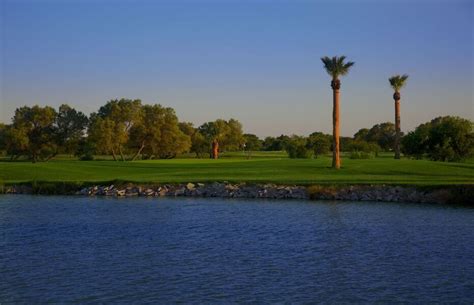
x: 261, y: 168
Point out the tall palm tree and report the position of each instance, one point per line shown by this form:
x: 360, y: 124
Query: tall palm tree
x: 336, y: 67
x: 397, y: 82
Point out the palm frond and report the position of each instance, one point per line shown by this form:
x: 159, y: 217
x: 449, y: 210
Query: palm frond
x: 336, y: 66
x: 398, y: 81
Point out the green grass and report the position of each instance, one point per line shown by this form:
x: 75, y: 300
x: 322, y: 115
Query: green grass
x: 264, y: 167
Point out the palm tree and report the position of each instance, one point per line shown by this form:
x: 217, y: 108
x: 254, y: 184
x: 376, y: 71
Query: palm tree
x: 336, y: 67
x: 397, y: 82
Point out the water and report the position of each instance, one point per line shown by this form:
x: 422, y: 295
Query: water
x: 79, y: 250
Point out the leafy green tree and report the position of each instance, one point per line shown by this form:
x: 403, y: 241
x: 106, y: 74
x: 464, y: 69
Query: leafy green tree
x: 336, y: 67
x: 158, y: 133
x: 122, y: 126
x: 451, y: 139
x: 234, y: 139
x: 172, y: 141
x: 227, y: 134
x: 16, y: 142
x: 361, y: 135
x: 447, y: 138
x: 383, y: 134
x: 3, y: 145
x: 320, y: 143
x: 213, y: 132
x: 346, y: 143
x: 199, y: 144
x: 101, y: 134
x: 187, y: 128
x: 33, y: 133
x: 416, y: 143
x: 71, y: 125
x: 119, y: 115
x: 275, y: 144
x: 252, y: 142
x: 268, y: 144
x: 146, y: 130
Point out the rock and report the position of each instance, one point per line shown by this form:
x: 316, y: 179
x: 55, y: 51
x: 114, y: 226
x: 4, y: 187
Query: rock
x: 180, y: 191
x: 242, y: 190
x: 231, y: 187
x: 84, y: 191
x: 148, y: 192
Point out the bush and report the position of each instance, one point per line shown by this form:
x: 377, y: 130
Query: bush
x: 358, y: 146
x: 414, y: 144
x: 297, y: 148
x: 299, y: 152
x: 319, y: 143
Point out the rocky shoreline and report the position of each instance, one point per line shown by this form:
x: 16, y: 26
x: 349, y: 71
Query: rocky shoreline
x: 386, y: 193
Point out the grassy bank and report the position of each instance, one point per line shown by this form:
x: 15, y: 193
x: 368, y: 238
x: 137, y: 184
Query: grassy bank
x: 262, y: 168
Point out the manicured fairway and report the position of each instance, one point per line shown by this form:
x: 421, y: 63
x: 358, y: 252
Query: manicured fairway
x: 237, y: 169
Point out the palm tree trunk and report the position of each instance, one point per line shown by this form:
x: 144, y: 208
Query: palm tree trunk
x: 336, y: 160
x: 397, y: 128
x: 215, y: 149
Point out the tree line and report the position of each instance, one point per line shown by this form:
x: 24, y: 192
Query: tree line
x: 125, y: 129
x: 128, y: 130
x: 447, y: 138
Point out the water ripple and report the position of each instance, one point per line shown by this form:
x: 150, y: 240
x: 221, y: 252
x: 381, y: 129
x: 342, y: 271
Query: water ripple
x: 87, y: 250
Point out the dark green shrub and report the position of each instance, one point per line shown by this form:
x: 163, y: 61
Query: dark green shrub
x: 363, y: 150
x: 297, y: 148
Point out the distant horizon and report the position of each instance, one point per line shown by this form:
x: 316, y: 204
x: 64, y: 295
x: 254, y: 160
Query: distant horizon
x: 253, y: 61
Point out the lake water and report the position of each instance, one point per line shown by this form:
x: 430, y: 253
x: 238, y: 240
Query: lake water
x: 80, y: 250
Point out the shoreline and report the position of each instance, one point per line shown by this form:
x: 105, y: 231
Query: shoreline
x: 455, y: 194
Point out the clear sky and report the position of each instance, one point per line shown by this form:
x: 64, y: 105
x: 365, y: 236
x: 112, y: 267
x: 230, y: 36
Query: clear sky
x: 256, y: 61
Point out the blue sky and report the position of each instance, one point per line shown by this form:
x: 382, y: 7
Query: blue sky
x: 256, y: 61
